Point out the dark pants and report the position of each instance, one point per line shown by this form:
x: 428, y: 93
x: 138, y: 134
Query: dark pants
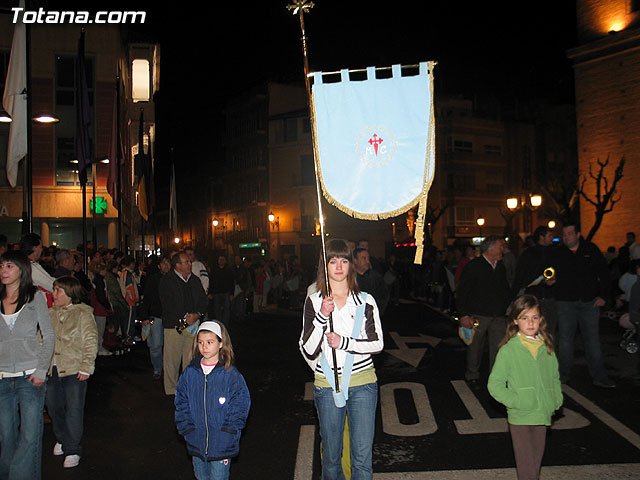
x: 528, y: 447
x: 65, y: 403
x: 550, y: 313
x: 586, y: 317
x: 221, y: 307
x: 492, y: 327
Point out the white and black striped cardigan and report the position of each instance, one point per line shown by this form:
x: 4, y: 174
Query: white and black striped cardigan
x: 314, y: 325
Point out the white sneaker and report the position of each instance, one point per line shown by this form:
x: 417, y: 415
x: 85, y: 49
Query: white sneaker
x: 57, y: 449
x: 71, y: 461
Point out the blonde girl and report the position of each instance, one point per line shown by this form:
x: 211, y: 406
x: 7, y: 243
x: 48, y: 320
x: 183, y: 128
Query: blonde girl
x: 525, y: 379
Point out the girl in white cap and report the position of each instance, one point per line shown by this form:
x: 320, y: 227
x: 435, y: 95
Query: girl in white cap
x: 212, y: 403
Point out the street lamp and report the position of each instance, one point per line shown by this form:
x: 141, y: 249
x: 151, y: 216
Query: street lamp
x: 535, y: 200
x: 516, y: 203
x: 4, y: 116
x: 551, y: 224
x: 513, y: 203
x: 45, y: 118
x: 480, y: 222
x: 275, y: 223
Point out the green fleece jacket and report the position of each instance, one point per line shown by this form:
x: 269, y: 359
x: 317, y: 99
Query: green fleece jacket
x: 529, y: 387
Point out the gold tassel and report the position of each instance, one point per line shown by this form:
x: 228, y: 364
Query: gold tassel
x: 431, y: 154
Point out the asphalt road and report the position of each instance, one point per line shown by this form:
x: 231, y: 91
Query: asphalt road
x: 429, y: 424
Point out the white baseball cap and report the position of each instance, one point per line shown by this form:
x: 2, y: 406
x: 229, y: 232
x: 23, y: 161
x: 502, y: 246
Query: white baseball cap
x: 211, y: 327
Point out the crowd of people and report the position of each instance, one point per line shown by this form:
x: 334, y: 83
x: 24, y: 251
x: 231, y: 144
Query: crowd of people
x: 58, y: 317
x: 528, y: 306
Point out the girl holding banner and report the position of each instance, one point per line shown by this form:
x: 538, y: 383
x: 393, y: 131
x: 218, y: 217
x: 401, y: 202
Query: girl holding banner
x: 356, y: 335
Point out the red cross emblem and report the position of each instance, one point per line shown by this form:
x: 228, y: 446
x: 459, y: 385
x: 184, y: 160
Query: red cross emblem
x: 375, y: 141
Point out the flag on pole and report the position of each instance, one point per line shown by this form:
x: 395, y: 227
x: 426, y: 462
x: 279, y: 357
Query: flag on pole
x: 143, y: 171
x: 14, y: 101
x: 83, y: 115
x: 173, y: 202
x: 151, y: 186
x: 373, y: 140
x: 115, y: 156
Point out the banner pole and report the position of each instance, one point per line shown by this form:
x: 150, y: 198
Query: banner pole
x: 300, y: 7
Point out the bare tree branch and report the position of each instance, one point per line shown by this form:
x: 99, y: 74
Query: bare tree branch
x: 604, y: 198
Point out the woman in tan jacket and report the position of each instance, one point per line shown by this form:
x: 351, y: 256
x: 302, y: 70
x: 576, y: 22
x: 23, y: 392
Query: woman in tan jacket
x: 72, y: 364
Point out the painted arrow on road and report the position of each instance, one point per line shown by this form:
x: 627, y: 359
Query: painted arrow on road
x: 412, y: 356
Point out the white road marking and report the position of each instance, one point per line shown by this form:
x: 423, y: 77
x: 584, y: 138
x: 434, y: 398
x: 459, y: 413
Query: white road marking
x: 480, y: 422
x: 625, y: 432
x: 412, y: 356
x: 304, y: 456
x: 391, y: 425
x: 308, y: 391
x: 566, y: 472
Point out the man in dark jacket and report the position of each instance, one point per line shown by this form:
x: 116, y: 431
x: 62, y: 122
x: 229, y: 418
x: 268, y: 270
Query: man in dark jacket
x: 222, y: 288
x: 181, y: 296
x: 369, y: 280
x: 531, y: 265
x: 581, y: 288
x: 482, y: 297
x: 65, y: 262
x: 150, y: 312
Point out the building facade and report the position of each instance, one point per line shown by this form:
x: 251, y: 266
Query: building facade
x: 114, y: 57
x: 607, y: 83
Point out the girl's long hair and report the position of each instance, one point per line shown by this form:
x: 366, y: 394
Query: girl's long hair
x: 519, y: 305
x: 226, y: 351
x: 26, y: 290
x: 337, y: 248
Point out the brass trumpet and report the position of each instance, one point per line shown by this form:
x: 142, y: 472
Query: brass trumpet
x: 183, y: 325
x: 549, y: 273
x: 139, y: 321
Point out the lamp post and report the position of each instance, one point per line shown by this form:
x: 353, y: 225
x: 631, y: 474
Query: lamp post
x: 526, y: 203
x: 275, y: 223
x: 214, y: 224
x: 480, y: 222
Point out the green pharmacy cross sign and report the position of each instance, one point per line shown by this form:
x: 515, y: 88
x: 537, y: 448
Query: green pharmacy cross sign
x: 101, y: 206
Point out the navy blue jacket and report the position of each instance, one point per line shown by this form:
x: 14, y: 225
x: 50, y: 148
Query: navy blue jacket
x: 211, y: 410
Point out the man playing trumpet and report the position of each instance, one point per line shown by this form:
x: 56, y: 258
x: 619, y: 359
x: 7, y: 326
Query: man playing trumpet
x: 532, y: 265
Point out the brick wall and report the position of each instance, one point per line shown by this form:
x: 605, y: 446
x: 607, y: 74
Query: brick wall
x: 608, y: 125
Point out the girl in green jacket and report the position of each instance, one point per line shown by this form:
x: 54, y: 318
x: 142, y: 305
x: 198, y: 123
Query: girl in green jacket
x: 525, y: 379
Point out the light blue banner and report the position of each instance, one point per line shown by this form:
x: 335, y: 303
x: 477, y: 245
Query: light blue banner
x: 375, y: 141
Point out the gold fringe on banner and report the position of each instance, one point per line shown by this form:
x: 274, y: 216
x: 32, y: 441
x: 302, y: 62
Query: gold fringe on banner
x: 422, y: 208
x: 421, y: 199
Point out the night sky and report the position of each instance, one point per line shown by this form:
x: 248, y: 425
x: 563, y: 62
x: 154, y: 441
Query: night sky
x: 490, y: 48
x: 211, y: 51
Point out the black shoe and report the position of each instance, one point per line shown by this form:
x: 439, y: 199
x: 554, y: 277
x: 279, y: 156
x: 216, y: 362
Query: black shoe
x: 157, y: 375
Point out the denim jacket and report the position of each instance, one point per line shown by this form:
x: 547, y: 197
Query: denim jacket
x: 211, y: 410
